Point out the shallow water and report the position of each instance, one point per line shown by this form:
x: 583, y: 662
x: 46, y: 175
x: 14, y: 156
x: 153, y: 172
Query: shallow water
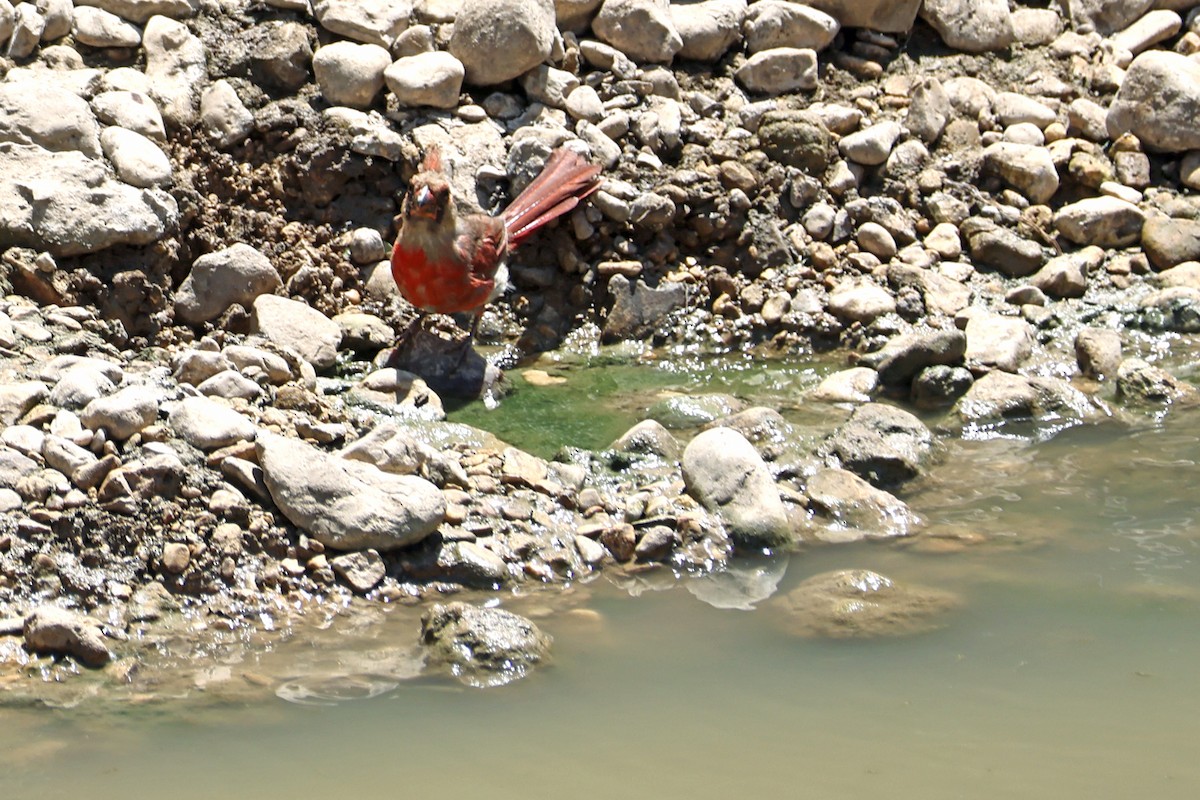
x: 1068, y: 672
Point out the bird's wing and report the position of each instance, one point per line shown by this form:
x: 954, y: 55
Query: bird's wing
x: 482, y: 244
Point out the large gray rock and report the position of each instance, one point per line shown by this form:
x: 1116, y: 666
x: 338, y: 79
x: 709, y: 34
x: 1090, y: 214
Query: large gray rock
x: 1159, y: 102
x: 973, y: 26
x: 296, y: 325
x: 1067, y: 275
x: 17, y: 398
x: 362, y: 571
x: 69, y: 204
x: 641, y: 29
x: 728, y: 476
x: 123, y: 413
x: 1151, y: 29
x: 14, y: 466
x: 140, y: 11
x: 648, y: 438
x: 890, y: 16
x: 575, y: 15
x: 1104, y: 16
x: 27, y: 28
x: 426, y: 79
x: 396, y: 449
x: 1005, y: 251
x: 779, y: 70
x: 779, y: 23
x: 367, y: 21
x: 1101, y: 221
x: 898, y: 361
x: 1098, y: 352
x: 859, y: 603
x: 68, y: 458
x: 1000, y: 396
x: 345, y: 504
x: 96, y: 27
x: 1169, y: 241
x: 693, y: 410
x: 482, y: 647
x: 237, y: 274
x: 860, y: 301
x: 81, y: 385
x: 708, y: 28
x: 57, y: 631
x: 1139, y: 382
x: 929, y: 110
x: 398, y: 393
x: 638, y: 309
x: 881, y: 443
x: 853, y: 385
x: 224, y: 116
x: 999, y: 342
x: 498, y: 40
x: 845, y: 508
x: 176, y: 66
x: 351, y: 74
x: 137, y: 160
x: 1027, y: 168
x: 207, y: 424
x: 872, y: 145
x: 282, y: 56
x: 131, y: 110
x: 49, y: 116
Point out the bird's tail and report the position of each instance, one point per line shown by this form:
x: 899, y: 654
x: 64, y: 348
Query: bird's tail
x: 566, y: 179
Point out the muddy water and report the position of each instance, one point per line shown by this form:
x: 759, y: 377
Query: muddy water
x: 1068, y: 672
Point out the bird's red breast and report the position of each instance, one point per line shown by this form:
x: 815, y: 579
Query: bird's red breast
x: 441, y: 288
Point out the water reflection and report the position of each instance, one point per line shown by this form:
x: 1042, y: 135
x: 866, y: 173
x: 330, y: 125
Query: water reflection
x: 742, y: 585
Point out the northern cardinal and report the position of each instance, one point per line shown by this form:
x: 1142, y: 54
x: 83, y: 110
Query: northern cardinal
x: 445, y: 263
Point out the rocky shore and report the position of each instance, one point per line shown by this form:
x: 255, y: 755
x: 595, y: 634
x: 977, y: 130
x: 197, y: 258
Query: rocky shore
x: 989, y: 209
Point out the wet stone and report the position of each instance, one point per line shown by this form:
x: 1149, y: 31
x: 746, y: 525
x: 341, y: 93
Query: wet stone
x: 860, y: 603
x: 881, y: 443
x: 639, y: 309
x: 1098, y: 352
x: 362, y: 571
x: 938, y: 386
x: 846, y: 508
x: 1141, y: 382
x: 726, y: 474
x: 482, y: 647
x: 853, y: 385
x: 49, y: 629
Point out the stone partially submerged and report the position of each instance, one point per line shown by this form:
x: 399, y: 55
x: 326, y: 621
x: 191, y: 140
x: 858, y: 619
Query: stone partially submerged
x: 882, y: 444
x: 727, y: 475
x: 482, y: 647
x: 57, y: 631
x: 859, y: 603
x: 845, y: 508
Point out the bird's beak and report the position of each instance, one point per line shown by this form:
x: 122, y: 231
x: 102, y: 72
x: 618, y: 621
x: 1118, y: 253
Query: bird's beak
x: 423, y: 203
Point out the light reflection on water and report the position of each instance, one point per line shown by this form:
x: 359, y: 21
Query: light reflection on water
x: 1069, y: 672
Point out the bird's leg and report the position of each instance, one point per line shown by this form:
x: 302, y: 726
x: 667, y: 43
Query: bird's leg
x: 412, y: 327
x: 466, y: 348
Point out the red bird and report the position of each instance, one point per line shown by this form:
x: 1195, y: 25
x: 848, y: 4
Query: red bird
x: 445, y: 263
